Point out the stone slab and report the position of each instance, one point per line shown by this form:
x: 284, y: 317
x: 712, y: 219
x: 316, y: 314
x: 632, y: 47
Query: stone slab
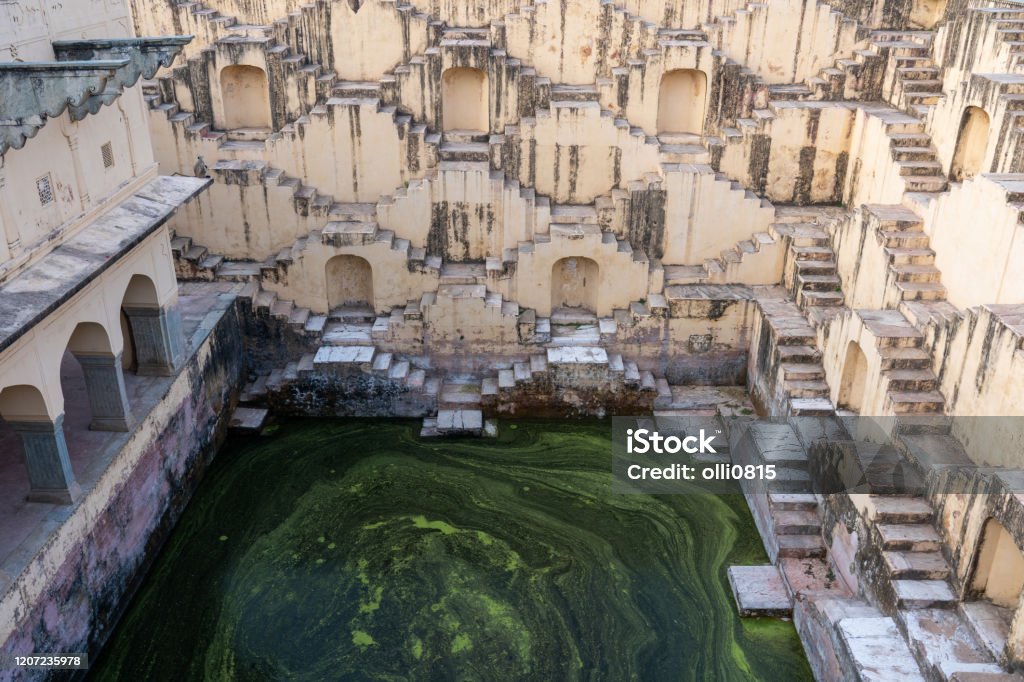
x: 943, y: 639
x: 248, y: 419
x: 876, y: 651
x: 460, y: 421
x: 921, y: 594
x: 759, y: 591
x: 991, y: 625
x: 577, y: 355
x: 337, y: 355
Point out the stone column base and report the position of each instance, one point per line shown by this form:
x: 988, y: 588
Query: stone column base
x: 104, y: 383
x: 159, y: 343
x: 46, y: 458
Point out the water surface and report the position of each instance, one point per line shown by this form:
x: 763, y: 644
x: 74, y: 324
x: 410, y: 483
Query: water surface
x: 353, y: 550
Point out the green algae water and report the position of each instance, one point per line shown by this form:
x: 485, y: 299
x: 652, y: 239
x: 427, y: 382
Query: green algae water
x: 353, y: 550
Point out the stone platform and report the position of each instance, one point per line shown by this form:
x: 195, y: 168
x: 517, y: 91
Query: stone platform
x: 759, y: 591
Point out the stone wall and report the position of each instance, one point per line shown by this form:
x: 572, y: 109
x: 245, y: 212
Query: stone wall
x: 73, y: 591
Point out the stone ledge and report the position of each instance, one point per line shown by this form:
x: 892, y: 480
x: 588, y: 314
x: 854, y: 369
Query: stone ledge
x: 759, y: 591
x: 38, y: 290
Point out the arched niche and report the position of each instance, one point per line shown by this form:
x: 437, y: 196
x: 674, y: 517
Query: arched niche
x: 682, y: 99
x: 349, y: 283
x: 245, y: 98
x: 999, y: 567
x: 971, y: 145
x: 575, y: 283
x: 464, y: 100
x: 851, y: 387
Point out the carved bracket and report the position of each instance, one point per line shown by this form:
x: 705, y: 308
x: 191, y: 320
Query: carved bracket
x: 31, y: 92
x: 88, y: 75
x: 145, y: 57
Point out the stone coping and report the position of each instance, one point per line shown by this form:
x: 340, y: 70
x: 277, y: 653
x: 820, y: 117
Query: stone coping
x: 37, y: 291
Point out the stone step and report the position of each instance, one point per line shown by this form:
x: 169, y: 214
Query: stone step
x: 909, y: 256
x: 793, y: 501
x: 990, y: 624
x: 921, y: 291
x: 811, y: 407
x: 902, y: 357
x: 538, y: 363
x: 916, y: 565
x: 348, y: 335
x: 802, y: 372
x: 429, y: 429
x: 574, y: 214
x: 797, y: 354
x: 915, y: 402
x: 460, y: 394
x: 895, y: 510
x: 806, y: 389
x: 578, y: 355
x: 813, y: 253
x: 759, y: 591
x: 316, y: 324
x: 791, y: 479
x: 947, y: 648
x: 821, y: 298
x: 478, y: 152
x: 905, y: 239
x: 382, y: 363
x: 874, y: 649
x: 416, y: 380
x: 255, y: 390
x: 801, y: 546
x: 916, y: 272
x: 909, y: 537
x: 815, y: 267
x: 909, y: 380
x: 923, y: 594
x: 460, y: 421
x: 925, y: 183
x: 345, y: 355
x: 521, y: 371
x: 463, y: 273
x: 399, y: 370
x: 818, y: 282
x: 796, y: 522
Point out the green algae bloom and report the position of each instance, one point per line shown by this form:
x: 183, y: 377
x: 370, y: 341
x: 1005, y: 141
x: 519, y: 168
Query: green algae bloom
x: 360, y: 552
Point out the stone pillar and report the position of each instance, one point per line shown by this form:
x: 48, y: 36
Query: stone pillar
x: 159, y: 343
x: 104, y: 382
x: 46, y: 458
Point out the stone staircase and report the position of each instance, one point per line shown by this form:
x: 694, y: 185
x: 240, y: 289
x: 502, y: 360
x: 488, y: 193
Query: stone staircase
x: 809, y: 273
x: 911, y: 263
x: 915, y: 626
x: 912, y: 80
x: 906, y: 366
x: 785, y: 509
x: 459, y: 408
x: 914, y: 566
x: 278, y: 40
x: 349, y: 343
x: 801, y: 376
